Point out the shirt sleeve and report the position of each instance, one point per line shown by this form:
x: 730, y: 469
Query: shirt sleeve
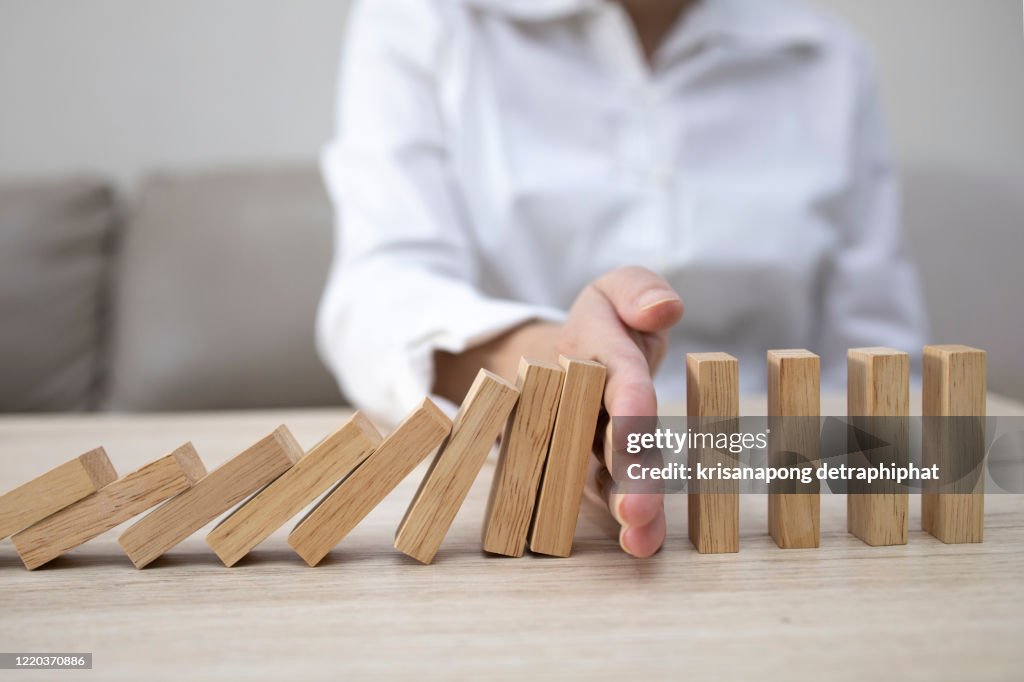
x: 403, y: 282
x: 871, y: 294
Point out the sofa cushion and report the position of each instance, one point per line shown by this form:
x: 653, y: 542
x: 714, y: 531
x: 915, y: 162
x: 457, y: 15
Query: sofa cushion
x: 54, y: 243
x: 218, y: 280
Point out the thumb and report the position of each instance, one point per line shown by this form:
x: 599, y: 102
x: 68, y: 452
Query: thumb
x: 642, y: 300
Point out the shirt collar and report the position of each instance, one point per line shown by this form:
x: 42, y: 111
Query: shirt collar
x: 764, y: 23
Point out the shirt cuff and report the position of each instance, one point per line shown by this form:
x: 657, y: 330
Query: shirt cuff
x: 477, y: 323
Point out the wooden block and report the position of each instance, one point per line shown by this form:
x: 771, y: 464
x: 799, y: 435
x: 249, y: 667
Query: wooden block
x: 878, y: 385
x: 565, y: 473
x: 794, y: 406
x: 57, y: 488
x: 329, y: 461
x: 111, y: 506
x: 712, y: 397
x: 343, y: 508
x: 221, y: 489
x: 954, y: 385
x: 444, y: 488
x: 524, y: 449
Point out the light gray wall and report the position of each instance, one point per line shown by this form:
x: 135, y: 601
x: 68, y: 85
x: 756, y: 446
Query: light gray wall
x: 123, y: 86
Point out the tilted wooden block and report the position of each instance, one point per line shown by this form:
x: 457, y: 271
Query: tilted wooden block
x: 444, y: 488
x: 343, y: 508
x: 878, y: 386
x: 954, y: 390
x: 565, y: 472
x: 111, y: 506
x: 712, y: 398
x: 524, y: 449
x: 57, y: 488
x: 329, y: 461
x: 794, y: 405
x: 221, y: 489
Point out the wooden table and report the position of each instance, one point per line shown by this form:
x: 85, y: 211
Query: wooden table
x: 845, y: 611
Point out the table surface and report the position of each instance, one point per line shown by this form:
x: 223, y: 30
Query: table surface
x: 844, y: 611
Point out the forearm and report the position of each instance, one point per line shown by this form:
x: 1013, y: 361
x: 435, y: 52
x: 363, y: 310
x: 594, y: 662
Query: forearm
x: 454, y: 373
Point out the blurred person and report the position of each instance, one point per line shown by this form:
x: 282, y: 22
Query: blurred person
x: 534, y: 177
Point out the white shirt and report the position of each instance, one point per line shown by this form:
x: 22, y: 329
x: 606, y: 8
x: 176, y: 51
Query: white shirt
x: 493, y: 156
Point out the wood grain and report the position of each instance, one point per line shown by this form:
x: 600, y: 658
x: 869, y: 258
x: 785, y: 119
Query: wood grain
x: 954, y: 385
x: 767, y: 614
x: 565, y: 472
x: 524, y: 450
x: 712, y: 397
x: 341, y: 510
x: 57, y: 488
x: 878, y: 385
x: 111, y: 506
x: 477, y: 425
x: 329, y: 461
x: 214, y: 494
x: 794, y: 405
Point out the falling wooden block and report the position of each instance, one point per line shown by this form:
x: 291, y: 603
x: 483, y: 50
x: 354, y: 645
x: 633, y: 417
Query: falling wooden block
x: 565, y: 472
x: 954, y: 388
x: 57, y: 488
x: 878, y: 403
x: 221, y: 489
x: 329, y: 461
x: 446, y: 484
x: 111, y: 506
x: 794, y: 406
x: 524, y: 449
x: 712, y: 399
x: 343, y: 508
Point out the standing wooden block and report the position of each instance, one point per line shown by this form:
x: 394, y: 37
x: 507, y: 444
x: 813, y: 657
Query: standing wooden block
x: 954, y: 391
x: 54, y: 490
x: 330, y: 460
x: 223, y: 488
x: 446, y: 484
x: 565, y: 473
x: 712, y: 398
x: 794, y: 406
x: 524, y: 449
x: 878, y: 403
x: 111, y: 506
x: 343, y: 508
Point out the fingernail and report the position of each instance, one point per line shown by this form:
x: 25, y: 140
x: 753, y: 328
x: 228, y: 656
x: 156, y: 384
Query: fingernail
x: 622, y: 541
x: 655, y: 298
x: 616, y: 507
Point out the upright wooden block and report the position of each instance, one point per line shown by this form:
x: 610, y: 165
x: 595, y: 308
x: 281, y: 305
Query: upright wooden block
x: 524, y: 449
x: 712, y: 398
x: 330, y: 460
x: 444, y: 488
x: 954, y: 390
x: 111, y: 506
x: 878, y: 403
x: 223, y: 488
x: 794, y: 406
x: 343, y: 508
x: 565, y: 473
x: 57, y: 488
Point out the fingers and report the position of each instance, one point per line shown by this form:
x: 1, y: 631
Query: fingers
x: 641, y: 517
x: 642, y: 299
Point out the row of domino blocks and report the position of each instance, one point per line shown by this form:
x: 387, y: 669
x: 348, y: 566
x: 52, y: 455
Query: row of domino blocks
x: 878, y: 385
x: 547, y: 421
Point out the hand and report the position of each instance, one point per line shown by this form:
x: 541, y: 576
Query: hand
x: 622, y: 320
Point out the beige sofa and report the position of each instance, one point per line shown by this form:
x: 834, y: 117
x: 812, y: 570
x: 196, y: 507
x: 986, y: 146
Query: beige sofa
x: 201, y: 292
